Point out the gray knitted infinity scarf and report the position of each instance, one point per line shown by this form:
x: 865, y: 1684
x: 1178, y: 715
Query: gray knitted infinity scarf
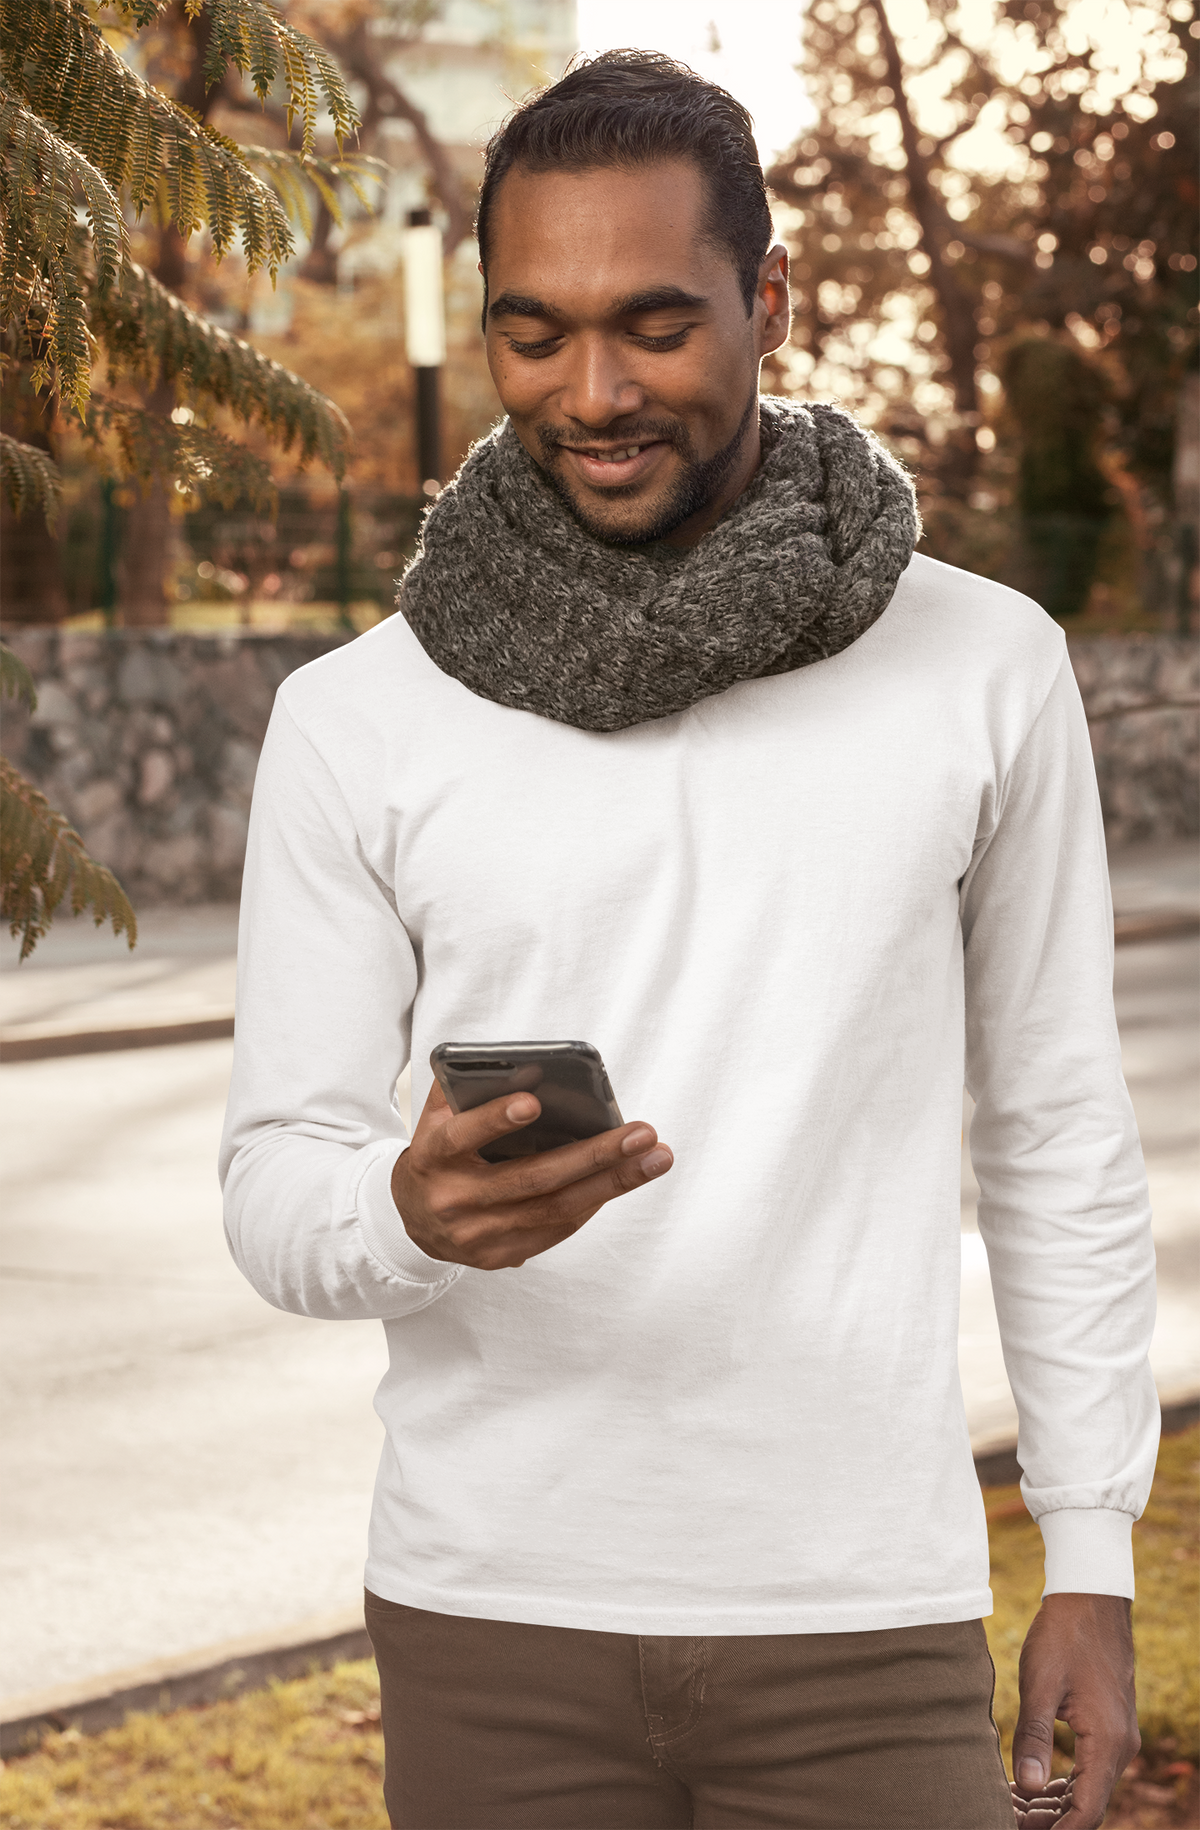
x: 508, y: 594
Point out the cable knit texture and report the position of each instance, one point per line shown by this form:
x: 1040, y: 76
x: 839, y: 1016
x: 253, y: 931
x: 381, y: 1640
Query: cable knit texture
x: 508, y: 594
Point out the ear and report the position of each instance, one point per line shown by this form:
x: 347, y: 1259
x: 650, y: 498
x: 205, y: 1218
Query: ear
x: 773, y: 305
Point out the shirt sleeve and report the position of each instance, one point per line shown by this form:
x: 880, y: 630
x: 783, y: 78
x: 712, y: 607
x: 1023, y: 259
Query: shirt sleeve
x: 326, y: 979
x: 1064, y: 1208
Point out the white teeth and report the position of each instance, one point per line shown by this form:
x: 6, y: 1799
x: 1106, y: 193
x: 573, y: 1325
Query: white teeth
x: 617, y: 457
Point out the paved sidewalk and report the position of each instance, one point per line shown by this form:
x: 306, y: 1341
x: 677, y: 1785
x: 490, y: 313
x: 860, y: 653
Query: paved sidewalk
x: 186, y: 1465
x: 83, y: 978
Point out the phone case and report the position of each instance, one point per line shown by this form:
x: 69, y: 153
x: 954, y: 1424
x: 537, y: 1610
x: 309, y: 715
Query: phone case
x: 567, y: 1077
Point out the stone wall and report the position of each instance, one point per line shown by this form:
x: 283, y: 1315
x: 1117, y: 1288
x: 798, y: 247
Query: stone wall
x: 1142, y: 694
x: 148, y: 741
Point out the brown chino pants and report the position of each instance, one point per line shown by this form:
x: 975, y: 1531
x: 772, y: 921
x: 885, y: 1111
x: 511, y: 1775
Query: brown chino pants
x: 495, y: 1725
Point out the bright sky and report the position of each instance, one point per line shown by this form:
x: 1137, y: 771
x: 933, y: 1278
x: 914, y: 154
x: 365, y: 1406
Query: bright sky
x: 750, y: 47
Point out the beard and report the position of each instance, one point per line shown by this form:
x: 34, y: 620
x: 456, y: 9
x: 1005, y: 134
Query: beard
x: 695, y: 485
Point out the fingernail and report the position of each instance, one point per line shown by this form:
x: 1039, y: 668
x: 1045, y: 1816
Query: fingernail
x: 656, y: 1162
x: 518, y: 1109
x: 1031, y: 1776
x: 637, y: 1140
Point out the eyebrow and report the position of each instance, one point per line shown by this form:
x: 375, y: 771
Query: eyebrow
x: 517, y: 305
x: 654, y: 298
x: 658, y: 298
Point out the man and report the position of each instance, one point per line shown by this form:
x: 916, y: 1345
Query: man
x: 678, y: 749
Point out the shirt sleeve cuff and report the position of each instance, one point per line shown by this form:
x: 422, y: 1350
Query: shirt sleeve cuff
x: 1089, y: 1551
x: 384, y: 1230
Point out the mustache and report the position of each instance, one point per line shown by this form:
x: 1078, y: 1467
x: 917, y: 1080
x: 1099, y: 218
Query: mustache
x: 642, y: 432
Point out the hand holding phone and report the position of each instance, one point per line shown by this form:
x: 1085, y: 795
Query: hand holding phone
x: 566, y: 1078
x: 461, y: 1208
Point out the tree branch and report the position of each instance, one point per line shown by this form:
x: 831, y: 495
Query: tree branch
x: 362, y: 60
x: 936, y: 230
x: 1008, y: 247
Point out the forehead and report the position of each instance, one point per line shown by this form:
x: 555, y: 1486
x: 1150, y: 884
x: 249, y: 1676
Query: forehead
x: 581, y: 237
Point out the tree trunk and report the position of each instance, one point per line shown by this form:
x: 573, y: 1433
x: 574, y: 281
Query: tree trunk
x: 147, y: 538
x: 31, y: 585
x: 1185, y: 478
x: 320, y: 263
x: 958, y: 317
x: 31, y: 581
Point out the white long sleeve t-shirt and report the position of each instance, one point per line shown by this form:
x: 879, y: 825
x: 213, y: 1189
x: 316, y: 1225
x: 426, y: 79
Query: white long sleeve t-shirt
x: 792, y: 919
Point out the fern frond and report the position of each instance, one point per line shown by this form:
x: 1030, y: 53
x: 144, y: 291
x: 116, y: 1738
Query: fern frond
x: 41, y: 175
x: 148, y: 332
x: 29, y: 475
x: 59, y: 64
x: 16, y: 681
x: 256, y: 40
x: 43, y: 862
x: 140, y: 12
x: 201, y: 460
x: 288, y: 171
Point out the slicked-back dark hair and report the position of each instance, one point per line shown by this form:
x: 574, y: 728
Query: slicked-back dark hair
x: 631, y: 108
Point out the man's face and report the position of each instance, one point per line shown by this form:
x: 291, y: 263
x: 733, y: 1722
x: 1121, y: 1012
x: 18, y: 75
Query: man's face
x: 620, y: 346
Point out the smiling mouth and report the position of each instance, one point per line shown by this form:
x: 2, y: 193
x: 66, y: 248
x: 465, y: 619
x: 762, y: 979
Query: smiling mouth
x: 618, y: 455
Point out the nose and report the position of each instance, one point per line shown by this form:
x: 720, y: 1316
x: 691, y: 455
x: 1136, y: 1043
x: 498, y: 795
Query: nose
x: 598, y: 387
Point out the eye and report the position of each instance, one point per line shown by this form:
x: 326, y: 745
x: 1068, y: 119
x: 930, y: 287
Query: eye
x: 546, y: 347
x: 674, y: 341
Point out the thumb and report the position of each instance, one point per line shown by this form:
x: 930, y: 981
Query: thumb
x: 1033, y: 1741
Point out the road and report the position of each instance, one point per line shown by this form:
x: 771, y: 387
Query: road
x: 187, y: 1465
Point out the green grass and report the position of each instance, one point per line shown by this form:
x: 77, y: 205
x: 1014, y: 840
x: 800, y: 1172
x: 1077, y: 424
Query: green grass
x: 308, y: 1755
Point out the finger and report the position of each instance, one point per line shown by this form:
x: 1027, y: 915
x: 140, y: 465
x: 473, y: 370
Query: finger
x: 1032, y: 1748
x: 531, y: 1178
x: 570, y: 1207
x: 464, y: 1133
x: 1047, y: 1810
x: 515, y: 1234
x: 497, y: 1238
x: 1041, y: 1695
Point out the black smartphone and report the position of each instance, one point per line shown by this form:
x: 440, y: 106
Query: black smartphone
x: 567, y: 1077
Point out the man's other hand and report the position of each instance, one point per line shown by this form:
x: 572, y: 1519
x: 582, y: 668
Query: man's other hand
x: 1077, y: 1666
x: 458, y: 1208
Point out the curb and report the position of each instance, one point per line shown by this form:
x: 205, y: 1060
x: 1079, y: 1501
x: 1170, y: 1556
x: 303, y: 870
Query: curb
x: 1169, y: 925
x: 211, y: 1675
x: 43, y: 1047
x: 1128, y: 930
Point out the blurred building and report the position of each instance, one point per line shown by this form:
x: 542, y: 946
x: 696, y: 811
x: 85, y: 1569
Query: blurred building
x: 430, y: 98
x: 476, y: 53
x: 464, y: 72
